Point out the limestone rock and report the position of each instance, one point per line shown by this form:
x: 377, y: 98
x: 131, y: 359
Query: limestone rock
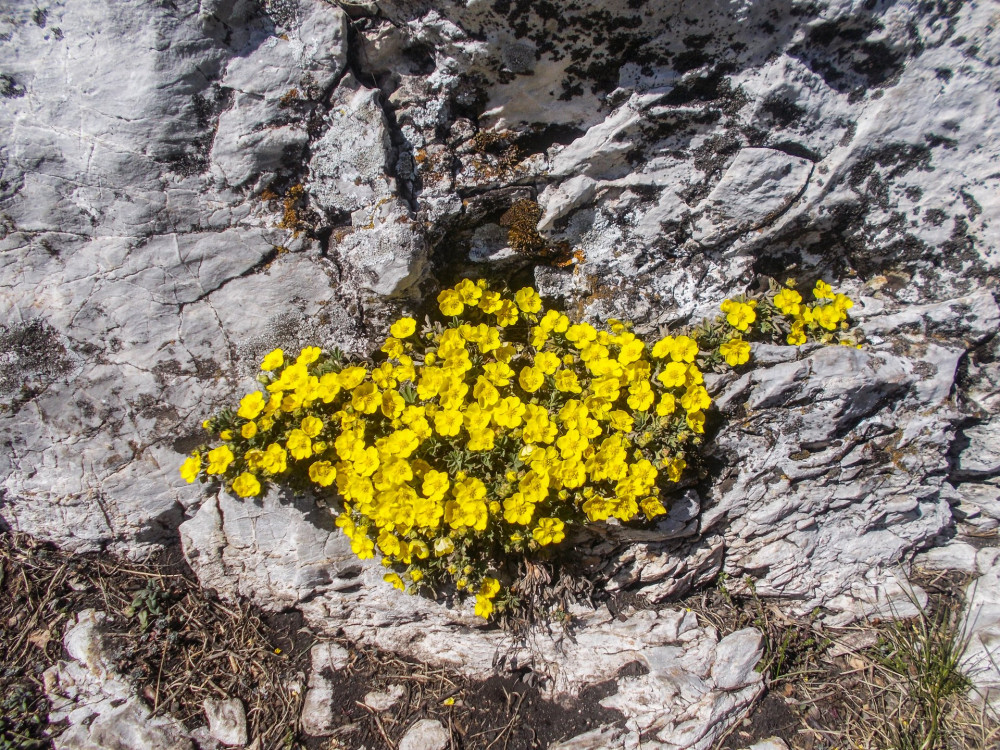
x: 426, y: 734
x: 387, y: 251
x: 383, y: 700
x: 759, y: 186
x: 771, y: 743
x: 350, y: 161
x: 736, y: 655
x: 153, y: 249
x: 955, y: 555
x: 227, y: 720
x: 981, y: 625
x: 317, y: 715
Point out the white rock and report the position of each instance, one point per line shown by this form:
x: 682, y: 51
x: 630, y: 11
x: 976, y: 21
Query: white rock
x: 771, y: 743
x: 387, y: 252
x: 384, y: 700
x: 981, y: 456
x: 317, y: 715
x: 759, y: 185
x: 350, y: 161
x: 981, y: 626
x: 955, y: 555
x: 602, y: 738
x: 426, y: 734
x: 736, y: 655
x: 227, y: 720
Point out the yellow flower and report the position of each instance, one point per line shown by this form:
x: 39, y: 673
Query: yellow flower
x: 489, y: 587
x: 508, y: 412
x: 392, y: 404
x: 363, y: 547
x: 484, y: 607
x: 547, y: 362
x: 740, y: 316
x: 797, y: 336
x: 684, y: 349
x: 554, y: 321
x: 246, y: 485
x: 190, y: 468
x: 788, y: 301
x: 631, y: 352
x: 528, y: 300
x: 448, y: 422
x: 498, y: 373
x: 567, y: 382
x: 366, y: 398
x: 621, y: 420
x: 695, y: 398
x: 696, y: 421
x: 443, y: 546
x: 450, y: 302
x: 828, y: 316
x: 518, y: 509
x: 248, y: 430
x: 366, y: 461
x: 506, y: 314
x: 667, y: 405
x: 469, y: 291
x: 481, y: 439
x: 490, y: 302
x: 652, y: 507
x: 581, y: 334
x: 351, y: 377
x: 393, y: 348
x: 251, y: 405
x: 219, y: 460
x: 822, y: 290
x: 673, y: 375
x: 395, y: 580
x: 273, y: 360
x: 299, y: 444
x: 548, y: 531
x: 322, y: 473
x: 274, y: 459
x: 531, y: 379
x: 308, y: 355
x: 403, y: 328
x: 736, y: 351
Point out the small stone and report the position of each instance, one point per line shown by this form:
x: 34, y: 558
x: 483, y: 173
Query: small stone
x: 383, y: 701
x: 735, y: 657
x: 426, y: 734
x: 771, y: 743
x: 953, y: 556
x: 227, y: 720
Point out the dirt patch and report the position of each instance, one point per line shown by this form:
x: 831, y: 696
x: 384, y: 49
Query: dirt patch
x: 177, y: 645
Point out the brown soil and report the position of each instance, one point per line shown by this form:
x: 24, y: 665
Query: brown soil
x: 178, y: 645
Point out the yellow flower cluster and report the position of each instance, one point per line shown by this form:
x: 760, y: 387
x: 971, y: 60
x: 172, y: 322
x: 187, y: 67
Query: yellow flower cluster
x: 486, y: 436
x: 480, y: 437
x: 786, y: 313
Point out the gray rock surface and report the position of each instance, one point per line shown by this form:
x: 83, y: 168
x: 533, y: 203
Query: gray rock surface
x: 227, y: 720
x: 184, y: 186
x: 981, y: 625
x: 426, y: 734
x: 318, y: 704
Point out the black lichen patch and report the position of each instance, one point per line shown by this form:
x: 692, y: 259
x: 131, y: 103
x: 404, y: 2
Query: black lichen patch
x: 782, y: 110
x: 32, y: 356
x: 842, y: 54
x: 873, y: 173
x: 10, y: 88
